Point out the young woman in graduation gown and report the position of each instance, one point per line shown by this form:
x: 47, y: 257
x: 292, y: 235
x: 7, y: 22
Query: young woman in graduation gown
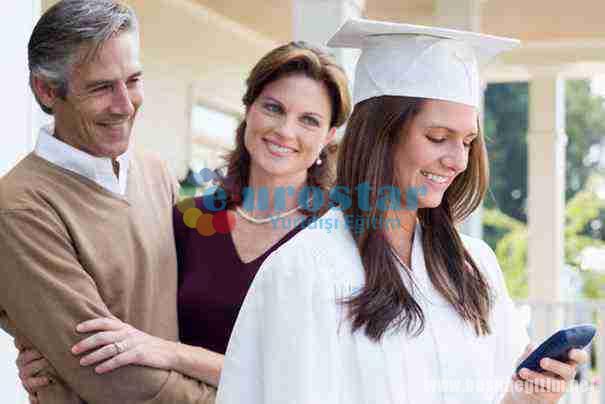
x: 382, y: 300
x: 296, y: 98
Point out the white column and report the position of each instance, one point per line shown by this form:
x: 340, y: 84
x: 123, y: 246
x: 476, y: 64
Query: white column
x: 546, y: 190
x: 463, y: 15
x: 16, y: 107
x: 17, y: 100
x: 315, y: 21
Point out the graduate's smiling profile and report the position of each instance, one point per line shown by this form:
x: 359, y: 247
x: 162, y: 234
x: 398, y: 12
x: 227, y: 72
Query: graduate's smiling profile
x: 434, y: 148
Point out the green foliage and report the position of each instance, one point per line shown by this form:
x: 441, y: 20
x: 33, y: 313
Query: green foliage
x: 511, y: 250
x: 585, y: 127
x: 506, y: 107
x: 581, y: 210
x: 511, y: 247
x: 506, y: 123
x: 594, y: 285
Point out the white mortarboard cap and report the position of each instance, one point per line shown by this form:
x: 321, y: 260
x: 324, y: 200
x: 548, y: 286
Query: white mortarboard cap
x: 418, y: 61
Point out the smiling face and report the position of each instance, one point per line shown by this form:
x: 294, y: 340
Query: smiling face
x: 103, y: 98
x: 286, y: 128
x: 435, y: 149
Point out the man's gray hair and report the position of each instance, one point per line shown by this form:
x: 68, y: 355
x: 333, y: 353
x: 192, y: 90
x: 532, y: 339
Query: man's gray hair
x: 57, y: 39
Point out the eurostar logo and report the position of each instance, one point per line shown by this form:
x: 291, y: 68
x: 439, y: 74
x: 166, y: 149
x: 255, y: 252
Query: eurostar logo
x: 213, y: 217
x: 206, y: 224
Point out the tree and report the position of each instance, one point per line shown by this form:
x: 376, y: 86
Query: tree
x: 506, y: 114
x: 585, y: 127
x: 505, y: 217
x: 511, y: 247
x: 506, y: 132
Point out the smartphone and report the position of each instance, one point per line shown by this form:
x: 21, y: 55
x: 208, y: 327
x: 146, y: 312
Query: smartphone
x: 558, y: 345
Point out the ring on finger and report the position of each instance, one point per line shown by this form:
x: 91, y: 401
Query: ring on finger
x: 119, y: 347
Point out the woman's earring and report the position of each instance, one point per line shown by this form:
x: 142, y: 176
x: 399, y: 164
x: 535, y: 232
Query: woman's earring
x: 319, y: 161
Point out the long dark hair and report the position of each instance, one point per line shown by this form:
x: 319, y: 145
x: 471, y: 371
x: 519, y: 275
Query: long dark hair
x: 292, y: 58
x: 373, y: 133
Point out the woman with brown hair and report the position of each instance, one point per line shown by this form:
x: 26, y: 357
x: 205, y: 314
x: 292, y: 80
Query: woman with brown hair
x: 393, y: 304
x: 296, y: 98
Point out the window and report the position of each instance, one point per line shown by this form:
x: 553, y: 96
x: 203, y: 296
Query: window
x: 213, y: 135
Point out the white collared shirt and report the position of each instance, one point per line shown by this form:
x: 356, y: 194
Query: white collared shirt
x: 97, y: 169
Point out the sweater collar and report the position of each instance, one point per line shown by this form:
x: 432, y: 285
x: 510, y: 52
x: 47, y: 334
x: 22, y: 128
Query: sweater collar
x: 97, y: 169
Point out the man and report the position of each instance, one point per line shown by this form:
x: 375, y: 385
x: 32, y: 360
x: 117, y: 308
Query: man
x: 85, y: 223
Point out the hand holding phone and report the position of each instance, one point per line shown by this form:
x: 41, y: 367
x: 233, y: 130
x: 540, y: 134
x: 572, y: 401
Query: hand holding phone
x: 558, y: 345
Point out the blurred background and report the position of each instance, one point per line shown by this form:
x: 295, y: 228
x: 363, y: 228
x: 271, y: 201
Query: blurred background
x: 544, y: 118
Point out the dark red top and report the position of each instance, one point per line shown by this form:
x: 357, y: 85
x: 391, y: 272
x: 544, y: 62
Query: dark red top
x: 213, y: 282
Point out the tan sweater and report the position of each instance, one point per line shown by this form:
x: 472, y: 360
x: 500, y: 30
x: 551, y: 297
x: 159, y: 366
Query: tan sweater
x: 71, y: 251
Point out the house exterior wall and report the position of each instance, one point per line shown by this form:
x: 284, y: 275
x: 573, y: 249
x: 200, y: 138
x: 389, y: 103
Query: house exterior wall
x: 16, y: 104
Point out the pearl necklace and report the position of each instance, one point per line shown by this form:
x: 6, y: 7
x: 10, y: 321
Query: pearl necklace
x: 264, y: 220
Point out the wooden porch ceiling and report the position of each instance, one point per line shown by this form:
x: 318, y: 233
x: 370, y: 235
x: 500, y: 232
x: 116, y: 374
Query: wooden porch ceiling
x: 534, y: 20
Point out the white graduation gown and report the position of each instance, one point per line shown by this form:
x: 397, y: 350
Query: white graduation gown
x: 292, y: 344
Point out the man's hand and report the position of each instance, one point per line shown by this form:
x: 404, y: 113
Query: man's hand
x: 30, y: 363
